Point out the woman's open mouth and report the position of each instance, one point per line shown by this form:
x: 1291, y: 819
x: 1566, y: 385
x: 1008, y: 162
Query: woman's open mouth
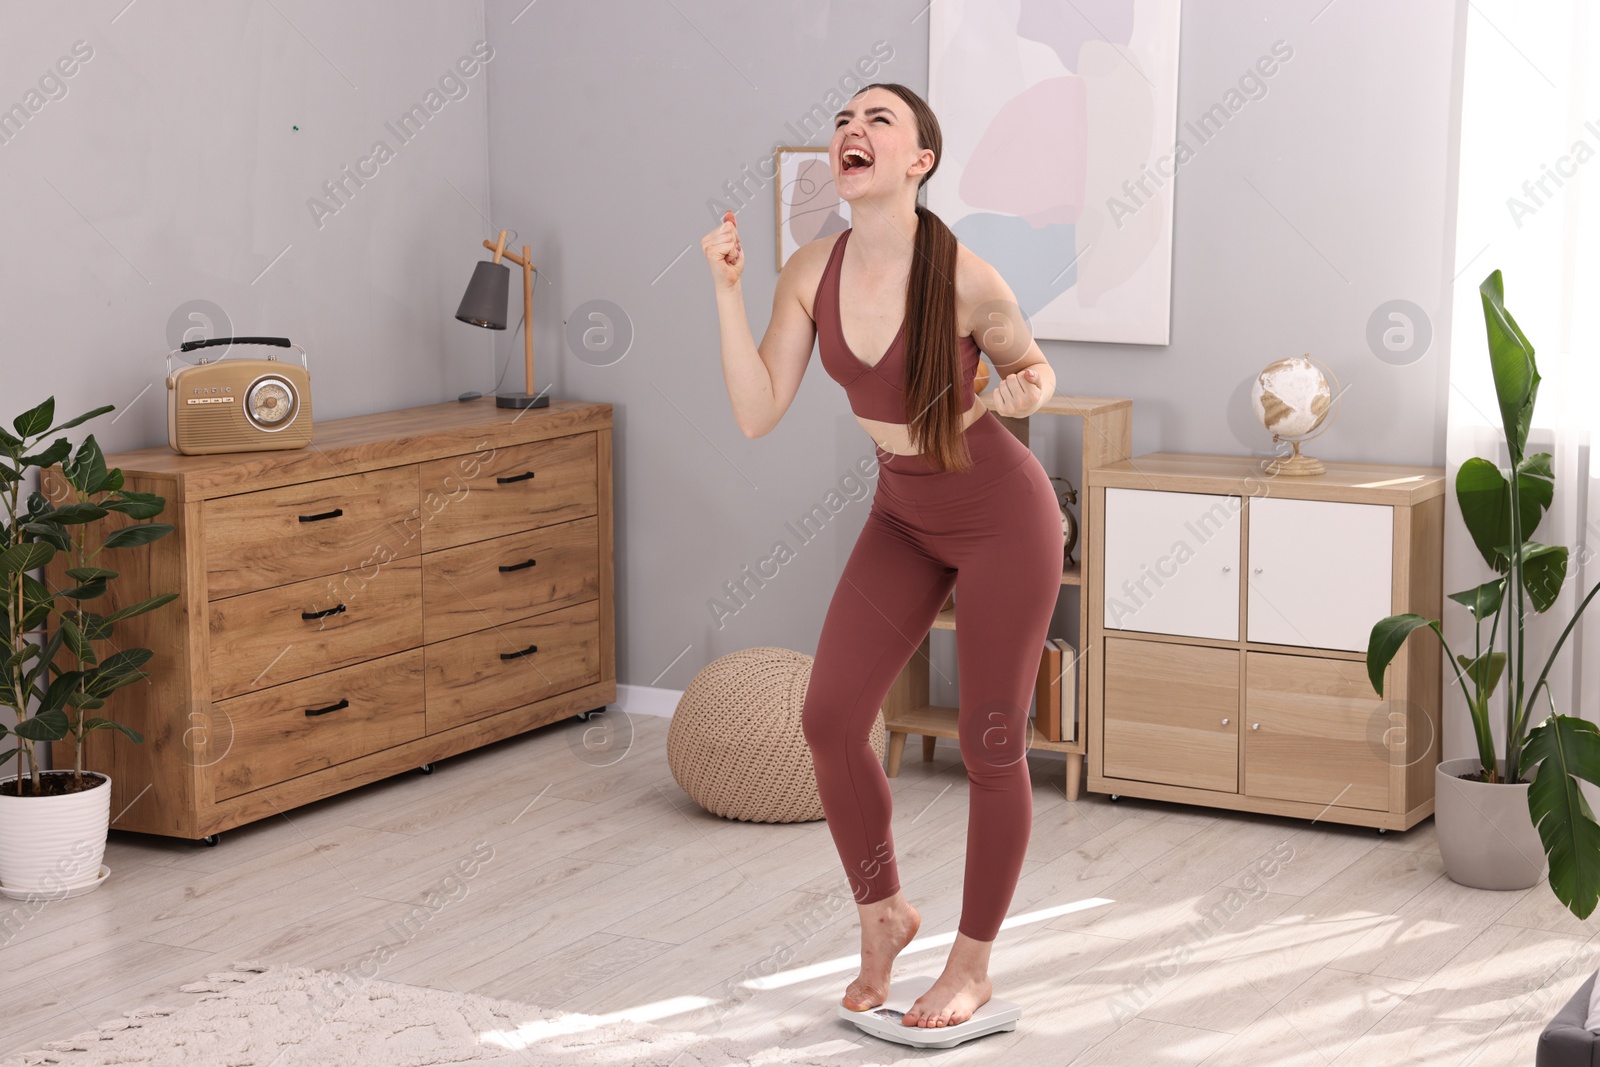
x: 855, y: 160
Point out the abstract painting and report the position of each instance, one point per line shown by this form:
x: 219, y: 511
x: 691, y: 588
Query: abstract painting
x: 1056, y: 118
x: 808, y: 204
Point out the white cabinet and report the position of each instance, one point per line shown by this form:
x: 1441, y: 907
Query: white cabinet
x: 1320, y: 572
x: 1229, y: 615
x: 1172, y: 563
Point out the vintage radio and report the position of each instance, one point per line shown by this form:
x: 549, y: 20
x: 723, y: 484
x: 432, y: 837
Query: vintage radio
x: 238, y: 405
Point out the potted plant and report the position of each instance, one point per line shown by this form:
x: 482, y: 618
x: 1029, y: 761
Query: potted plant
x: 53, y: 823
x: 1502, y: 813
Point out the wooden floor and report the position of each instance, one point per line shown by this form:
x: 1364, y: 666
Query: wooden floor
x: 1139, y: 933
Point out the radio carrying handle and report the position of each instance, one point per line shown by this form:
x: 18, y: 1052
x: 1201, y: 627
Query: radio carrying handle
x: 212, y: 342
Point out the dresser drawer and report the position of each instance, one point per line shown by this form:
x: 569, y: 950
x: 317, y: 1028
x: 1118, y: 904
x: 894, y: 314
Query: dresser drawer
x: 509, y: 490
x: 492, y: 582
x: 517, y: 663
x: 294, y: 729
x: 265, y: 639
x: 276, y: 536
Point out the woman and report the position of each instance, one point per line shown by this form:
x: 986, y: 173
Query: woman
x: 960, y: 503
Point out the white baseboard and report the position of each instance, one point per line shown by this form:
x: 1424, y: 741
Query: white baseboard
x: 648, y: 700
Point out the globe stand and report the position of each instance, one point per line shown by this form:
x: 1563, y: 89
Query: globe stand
x: 1295, y: 465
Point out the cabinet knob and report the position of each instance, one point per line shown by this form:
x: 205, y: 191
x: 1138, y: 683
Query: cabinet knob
x: 1255, y: 726
x: 1225, y: 570
x: 1224, y: 722
x: 1258, y: 570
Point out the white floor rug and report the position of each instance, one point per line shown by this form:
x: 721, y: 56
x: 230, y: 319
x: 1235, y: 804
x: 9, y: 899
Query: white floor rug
x: 261, y: 1016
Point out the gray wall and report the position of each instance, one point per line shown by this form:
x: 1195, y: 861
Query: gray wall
x: 170, y: 173
x: 613, y: 124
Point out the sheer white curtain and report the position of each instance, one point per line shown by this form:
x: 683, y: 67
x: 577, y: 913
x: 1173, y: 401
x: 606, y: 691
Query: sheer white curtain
x: 1529, y: 205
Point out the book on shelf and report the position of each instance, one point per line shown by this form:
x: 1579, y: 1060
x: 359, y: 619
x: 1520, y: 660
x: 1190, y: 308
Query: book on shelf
x: 1067, y: 690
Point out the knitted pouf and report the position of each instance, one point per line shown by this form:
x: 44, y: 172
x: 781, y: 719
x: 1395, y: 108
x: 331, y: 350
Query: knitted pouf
x: 735, y: 744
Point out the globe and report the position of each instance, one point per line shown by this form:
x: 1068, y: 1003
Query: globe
x: 1292, y: 399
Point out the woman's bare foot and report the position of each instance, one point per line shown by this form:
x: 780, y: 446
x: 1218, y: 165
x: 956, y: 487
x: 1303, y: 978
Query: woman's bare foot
x: 962, y: 988
x: 887, y: 926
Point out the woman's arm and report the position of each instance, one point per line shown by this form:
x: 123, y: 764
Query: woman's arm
x: 1026, y: 379
x: 762, y: 382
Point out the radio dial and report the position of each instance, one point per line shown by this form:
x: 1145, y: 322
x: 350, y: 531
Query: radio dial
x: 270, y: 402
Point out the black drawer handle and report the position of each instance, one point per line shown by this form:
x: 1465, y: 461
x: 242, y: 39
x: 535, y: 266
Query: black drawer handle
x: 310, y: 615
x: 334, y: 514
x: 331, y: 707
x: 518, y: 566
x: 524, y: 476
x: 518, y: 655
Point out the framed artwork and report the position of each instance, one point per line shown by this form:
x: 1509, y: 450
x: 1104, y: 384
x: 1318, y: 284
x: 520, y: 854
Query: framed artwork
x: 1059, y: 124
x: 808, y: 204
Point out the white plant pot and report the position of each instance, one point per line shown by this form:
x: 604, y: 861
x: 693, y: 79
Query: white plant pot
x: 53, y: 845
x: 1486, y: 836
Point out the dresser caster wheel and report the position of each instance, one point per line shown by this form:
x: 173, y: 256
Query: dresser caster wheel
x: 1383, y: 829
x: 211, y: 840
x: 426, y: 768
x: 583, y: 716
x: 1114, y: 798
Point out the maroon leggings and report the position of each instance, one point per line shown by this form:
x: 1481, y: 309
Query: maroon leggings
x: 993, y: 533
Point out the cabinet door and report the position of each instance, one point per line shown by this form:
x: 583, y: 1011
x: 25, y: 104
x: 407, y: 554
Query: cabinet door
x: 1171, y: 714
x: 1171, y: 563
x: 1319, y: 571
x: 1314, y: 731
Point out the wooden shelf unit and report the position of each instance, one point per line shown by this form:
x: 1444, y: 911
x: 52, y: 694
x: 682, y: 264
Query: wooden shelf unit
x: 359, y: 608
x: 1107, y: 427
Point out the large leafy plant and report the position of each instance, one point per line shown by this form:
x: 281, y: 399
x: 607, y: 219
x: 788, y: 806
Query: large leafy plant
x: 52, y: 676
x: 1501, y: 508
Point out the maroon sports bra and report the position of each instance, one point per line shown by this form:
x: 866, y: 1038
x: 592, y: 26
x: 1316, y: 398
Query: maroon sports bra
x: 876, y: 391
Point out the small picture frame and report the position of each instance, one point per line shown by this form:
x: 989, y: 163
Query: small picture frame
x: 809, y: 206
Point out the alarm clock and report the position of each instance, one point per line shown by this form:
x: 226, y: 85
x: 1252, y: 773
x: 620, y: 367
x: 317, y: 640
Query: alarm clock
x: 238, y: 405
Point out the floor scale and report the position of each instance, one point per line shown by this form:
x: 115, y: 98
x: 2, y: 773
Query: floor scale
x: 884, y: 1020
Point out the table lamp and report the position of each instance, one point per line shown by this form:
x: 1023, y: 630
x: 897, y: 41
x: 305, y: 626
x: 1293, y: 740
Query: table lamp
x: 486, y: 302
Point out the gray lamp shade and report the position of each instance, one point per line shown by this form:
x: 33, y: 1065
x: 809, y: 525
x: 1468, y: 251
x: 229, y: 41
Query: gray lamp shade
x: 487, y: 294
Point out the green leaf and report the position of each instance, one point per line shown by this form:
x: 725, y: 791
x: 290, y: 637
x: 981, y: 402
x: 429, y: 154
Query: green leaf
x: 1483, y: 601
x: 26, y: 557
x: 137, y: 505
x: 141, y: 534
x: 87, y: 468
x: 140, y: 608
x: 1384, y: 644
x: 89, y: 574
x: 1484, y: 672
x: 87, y: 591
x: 75, y: 513
x: 1566, y: 748
x: 1544, y: 569
x: 60, y: 689
x: 86, y: 416
x: 35, y: 421
x: 46, y: 726
x: 1516, y: 376
x: 1485, y: 498
x: 57, y: 452
x: 77, y: 642
x: 50, y: 533
x: 91, y: 725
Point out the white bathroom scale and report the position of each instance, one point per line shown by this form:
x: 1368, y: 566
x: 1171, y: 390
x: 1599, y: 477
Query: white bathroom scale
x: 884, y: 1020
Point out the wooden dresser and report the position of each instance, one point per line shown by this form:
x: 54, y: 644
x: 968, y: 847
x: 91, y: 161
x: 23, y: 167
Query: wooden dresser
x: 413, y: 585
x: 1233, y: 609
